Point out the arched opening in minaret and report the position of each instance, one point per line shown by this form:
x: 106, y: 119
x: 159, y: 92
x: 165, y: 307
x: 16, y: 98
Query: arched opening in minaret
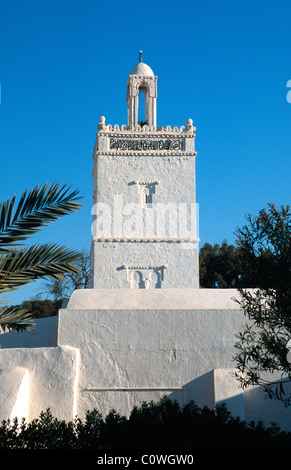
x: 143, y: 112
x: 141, y: 107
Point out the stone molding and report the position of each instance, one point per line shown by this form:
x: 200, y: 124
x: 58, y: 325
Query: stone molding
x: 145, y: 182
x: 156, y: 153
x: 146, y: 240
x: 127, y: 266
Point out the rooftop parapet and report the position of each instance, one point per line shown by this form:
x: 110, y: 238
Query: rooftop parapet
x: 143, y: 128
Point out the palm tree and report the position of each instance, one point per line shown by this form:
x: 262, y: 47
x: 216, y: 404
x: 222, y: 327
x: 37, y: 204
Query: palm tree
x: 21, y: 264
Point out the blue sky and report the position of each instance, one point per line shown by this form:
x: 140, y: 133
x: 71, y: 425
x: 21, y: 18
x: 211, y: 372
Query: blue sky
x: 225, y: 64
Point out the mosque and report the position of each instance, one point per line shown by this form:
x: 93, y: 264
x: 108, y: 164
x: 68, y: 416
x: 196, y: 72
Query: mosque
x: 144, y: 329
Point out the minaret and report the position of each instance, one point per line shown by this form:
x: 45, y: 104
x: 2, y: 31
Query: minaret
x: 142, y: 79
x: 144, y: 212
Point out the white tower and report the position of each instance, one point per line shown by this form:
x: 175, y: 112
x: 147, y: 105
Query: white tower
x: 144, y: 212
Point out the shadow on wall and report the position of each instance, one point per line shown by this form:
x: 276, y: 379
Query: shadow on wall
x: 44, y: 334
x: 200, y: 390
x: 252, y: 404
x: 258, y: 404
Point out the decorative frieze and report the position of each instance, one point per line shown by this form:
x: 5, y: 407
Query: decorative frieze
x: 145, y: 277
x: 145, y: 144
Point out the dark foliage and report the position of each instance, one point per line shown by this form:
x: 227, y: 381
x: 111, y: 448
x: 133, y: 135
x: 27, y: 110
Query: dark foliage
x: 165, y: 425
x: 40, y: 308
x: 221, y: 266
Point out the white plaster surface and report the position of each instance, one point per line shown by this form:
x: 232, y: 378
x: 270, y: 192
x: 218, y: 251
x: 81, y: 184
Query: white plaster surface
x: 52, y: 374
x: 131, y: 355
x: 129, y: 232
x: 116, y: 174
x: 269, y: 411
x: 228, y: 390
x: 110, y: 259
x: 120, y: 299
x: 20, y: 409
x: 10, y: 383
x: 115, y: 357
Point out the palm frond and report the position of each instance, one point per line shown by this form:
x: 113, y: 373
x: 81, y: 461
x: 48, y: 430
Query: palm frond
x: 36, y: 209
x: 14, y: 319
x: 19, y: 267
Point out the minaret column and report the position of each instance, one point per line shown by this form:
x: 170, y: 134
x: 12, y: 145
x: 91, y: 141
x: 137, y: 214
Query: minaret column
x: 142, y: 80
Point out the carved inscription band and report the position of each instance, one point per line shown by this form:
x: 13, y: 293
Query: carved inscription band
x: 146, y: 144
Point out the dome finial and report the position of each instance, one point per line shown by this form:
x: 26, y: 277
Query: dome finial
x: 140, y: 54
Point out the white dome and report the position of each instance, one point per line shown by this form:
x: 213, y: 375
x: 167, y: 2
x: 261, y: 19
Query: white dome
x: 142, y: 69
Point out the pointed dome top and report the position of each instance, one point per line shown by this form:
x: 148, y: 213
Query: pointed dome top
x: 141, y: 68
